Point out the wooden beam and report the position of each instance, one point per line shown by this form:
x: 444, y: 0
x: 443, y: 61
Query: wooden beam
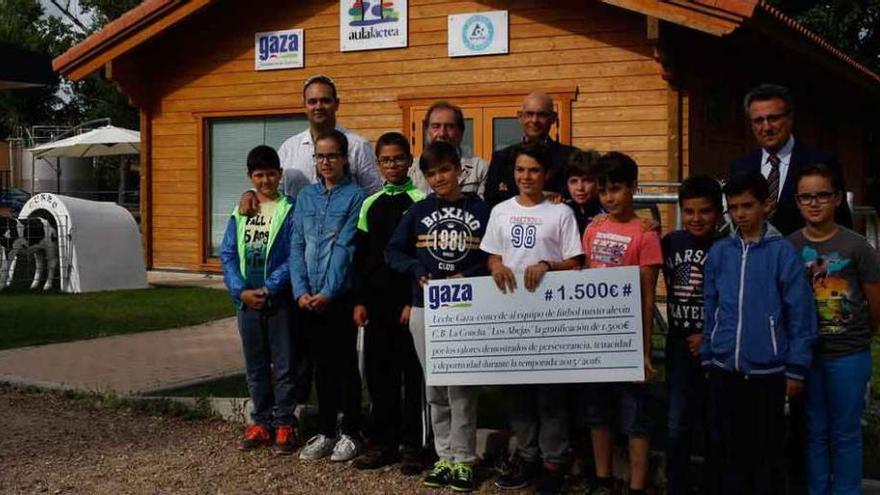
x: 677, y: 14
x: 652, y: 26
x: 130, y: 41
x: 146, y: 186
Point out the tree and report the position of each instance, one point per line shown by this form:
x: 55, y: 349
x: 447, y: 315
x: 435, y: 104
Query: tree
x: 851, y: 25
x: 25, y: 23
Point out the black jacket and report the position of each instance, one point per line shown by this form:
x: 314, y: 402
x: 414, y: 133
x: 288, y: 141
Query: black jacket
x: 788, y: 218
x: 500, y: 185
x: 374, y: 281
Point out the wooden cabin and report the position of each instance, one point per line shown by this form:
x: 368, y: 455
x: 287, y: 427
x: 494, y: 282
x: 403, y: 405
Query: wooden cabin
x: 660, y: 80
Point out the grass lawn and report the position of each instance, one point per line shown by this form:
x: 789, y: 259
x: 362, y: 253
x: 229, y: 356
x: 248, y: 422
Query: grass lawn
x: 35, y: 318
x: 230, y: 386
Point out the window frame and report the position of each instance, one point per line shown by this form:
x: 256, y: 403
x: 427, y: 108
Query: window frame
x: 488, y: 104
x: 209, y: 263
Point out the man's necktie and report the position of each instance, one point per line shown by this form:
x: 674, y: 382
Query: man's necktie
x: 773, y: 183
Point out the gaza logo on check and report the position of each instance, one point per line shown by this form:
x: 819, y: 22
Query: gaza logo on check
x: 451, y: 296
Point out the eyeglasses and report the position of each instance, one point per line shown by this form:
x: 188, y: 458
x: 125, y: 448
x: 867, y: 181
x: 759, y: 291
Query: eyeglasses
x: 822, y: 198
x: 399, y: 161
x: 771, y: 119
x: 320, y: 157
x: 542, y: 115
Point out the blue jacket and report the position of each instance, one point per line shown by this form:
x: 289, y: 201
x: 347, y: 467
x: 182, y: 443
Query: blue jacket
x: 760, y: 314
x: 322, y: 239
x: 276, y: 270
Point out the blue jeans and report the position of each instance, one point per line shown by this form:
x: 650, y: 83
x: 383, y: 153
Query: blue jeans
x: 835, y: 401
x: 686, y: 385
x: 267, y: 343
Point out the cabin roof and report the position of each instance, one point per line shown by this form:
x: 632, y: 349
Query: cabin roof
x: 716, y: 17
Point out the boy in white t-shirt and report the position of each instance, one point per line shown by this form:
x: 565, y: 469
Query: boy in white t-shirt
x: 528, y: 234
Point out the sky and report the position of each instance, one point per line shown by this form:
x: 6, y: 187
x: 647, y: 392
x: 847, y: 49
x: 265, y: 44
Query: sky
x: 74, y: 8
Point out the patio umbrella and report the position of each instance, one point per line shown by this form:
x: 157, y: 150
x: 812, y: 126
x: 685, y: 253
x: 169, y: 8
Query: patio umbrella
x: 103, y: 141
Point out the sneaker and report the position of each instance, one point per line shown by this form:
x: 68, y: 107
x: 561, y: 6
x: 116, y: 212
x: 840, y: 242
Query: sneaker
x: 318, y: 447
x: 411, y: 464
x: 255, y: 436
x: 551, y: 480
x: 439, y: 475
x: 518, y: 474
x: 376, y: 458
x: 286, y: 440
x: 346, y: 449
x: 462, y: 478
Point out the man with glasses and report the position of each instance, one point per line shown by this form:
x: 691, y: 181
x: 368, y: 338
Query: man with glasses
x: 445, y: 122
x: 536, y: 117
x: 770, y: 110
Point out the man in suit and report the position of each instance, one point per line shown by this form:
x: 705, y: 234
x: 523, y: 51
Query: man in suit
x: 536, y: 117
x: 770, y: 110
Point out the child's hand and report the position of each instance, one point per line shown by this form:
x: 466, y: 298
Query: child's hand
x: 248, y: 204
x: 534, y: 274
x: 404, y: 315
x: 695, y: 341
x: 423, y: 280
x: 504, y: 279
x: 793, y: 387
x: 305, y: 301
x: 360, y: 315
x: 253, y: 298
x: 319, y: 303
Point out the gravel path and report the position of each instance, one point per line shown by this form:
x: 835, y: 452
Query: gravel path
x: 56, y: 444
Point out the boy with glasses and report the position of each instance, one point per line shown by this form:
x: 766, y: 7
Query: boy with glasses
x: 382, y: 306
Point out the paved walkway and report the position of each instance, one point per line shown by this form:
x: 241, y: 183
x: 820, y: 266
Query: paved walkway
x: 129, y: 364
x: 184, y: 279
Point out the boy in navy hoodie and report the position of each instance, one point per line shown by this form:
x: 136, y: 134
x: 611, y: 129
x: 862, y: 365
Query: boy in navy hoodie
x: 439, y: 237
x: 758, y: 335
x: 254, y: 254
x: 684, y: 256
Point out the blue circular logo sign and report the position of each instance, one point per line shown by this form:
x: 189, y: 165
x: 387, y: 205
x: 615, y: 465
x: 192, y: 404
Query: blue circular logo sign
x: 477, y: 33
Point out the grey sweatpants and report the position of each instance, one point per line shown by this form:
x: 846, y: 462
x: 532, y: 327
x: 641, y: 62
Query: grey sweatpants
x: 538, y: 416
x: 453, y: 408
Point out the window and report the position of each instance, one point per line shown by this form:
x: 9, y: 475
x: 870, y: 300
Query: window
x: 229, y: 141
x: 491, y: 121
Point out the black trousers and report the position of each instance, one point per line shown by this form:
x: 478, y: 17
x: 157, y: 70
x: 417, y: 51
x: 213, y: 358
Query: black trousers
x: 333, y: 347
x: 747, y: 430
x: 302, y: 363
x: 392, y: 366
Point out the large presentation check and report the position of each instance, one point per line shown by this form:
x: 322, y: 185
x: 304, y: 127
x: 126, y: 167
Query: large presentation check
x: 577, y: 326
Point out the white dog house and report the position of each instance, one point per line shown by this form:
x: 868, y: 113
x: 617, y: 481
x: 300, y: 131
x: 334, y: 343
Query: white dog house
x: 99, y: 243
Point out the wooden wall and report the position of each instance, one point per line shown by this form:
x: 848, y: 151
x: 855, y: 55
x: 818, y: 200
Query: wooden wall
x: 204, y: 67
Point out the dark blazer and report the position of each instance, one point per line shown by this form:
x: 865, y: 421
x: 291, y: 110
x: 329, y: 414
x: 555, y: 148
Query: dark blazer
x: 499, y: 181
x: 787, y: 218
